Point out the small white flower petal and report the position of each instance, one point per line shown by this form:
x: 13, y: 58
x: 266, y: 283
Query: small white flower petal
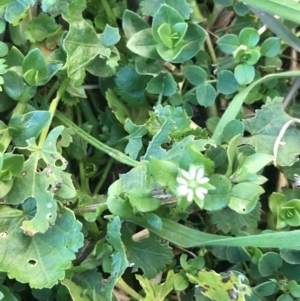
x: 186, y: 174
x: 200, y: 192
x: 203, y: 180
x: 190, y: 196
x: 200, y: 174
x: 183, y: 190
x: 182, y: 181
x: 193, y: 172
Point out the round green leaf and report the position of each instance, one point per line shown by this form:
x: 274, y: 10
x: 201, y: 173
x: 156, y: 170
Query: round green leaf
x: 195, y: 75
x: 249, y: 37
x: 244, y: 74
x: 218, y: 198
x: 244, y: 197
x: 233, y: 128
x: 178, y: 32
x: 253, y: 58
x: 269, y: 263
x: 217, y: 154
x: 294, y: 288
x: 226, y: 82
x: 206, y: 95
x: 270, y: 47
x: 266, y: 289
x: 163, y: 83
x: 290, y: 256
x: 228, y: 43
x: 3, y: 49
x: 240, y: 8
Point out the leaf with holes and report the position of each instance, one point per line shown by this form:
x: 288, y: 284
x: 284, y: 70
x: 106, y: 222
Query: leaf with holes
x: 40, y: 260
x: 41, y: 178
x: 264, y: 129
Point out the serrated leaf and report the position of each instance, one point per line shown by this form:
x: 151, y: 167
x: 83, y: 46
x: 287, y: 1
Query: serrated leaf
x: 149, y: 254
x: 82, y: 44
x: 217, y: 287
x: 44, y: 257
x: 131, y: 86
x: 41, y: 182
x: 135, y: 138
x: 229, y: 221
x: 41, y: 27
x: 264, y: 129
x: 110, y: 36
x: 150, y: 7
x: 16, y: 10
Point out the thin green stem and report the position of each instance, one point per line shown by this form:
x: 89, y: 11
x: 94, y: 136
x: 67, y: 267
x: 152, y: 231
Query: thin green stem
x: 51, y: 91
x: 53, y: 107
x: 117, y: 155
x: 211, y: 49
x: 83, y: 180
x: 109, y: 13
x: 18, y: 110
x: 128, y: 290
x: 104, y: 175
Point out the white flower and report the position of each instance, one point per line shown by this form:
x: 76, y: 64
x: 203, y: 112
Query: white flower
x: 192, y: 183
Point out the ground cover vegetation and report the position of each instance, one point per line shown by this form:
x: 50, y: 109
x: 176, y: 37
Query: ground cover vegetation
x: 149, y: 150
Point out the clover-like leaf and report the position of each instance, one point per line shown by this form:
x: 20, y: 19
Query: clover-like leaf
x: 41, y: 181
x: 44, y: 257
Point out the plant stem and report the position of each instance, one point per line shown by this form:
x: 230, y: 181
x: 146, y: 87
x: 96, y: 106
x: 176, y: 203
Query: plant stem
x: 53, y: 107
x: 109, y: 12
x: 104, y: 175
x: 117, y: 155
x: 18, y: 110
x: 51, y: 91
x: 83, y: 180
x: 128, y: 290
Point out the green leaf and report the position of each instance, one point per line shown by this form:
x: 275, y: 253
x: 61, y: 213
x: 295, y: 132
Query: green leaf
x: 165, y: 15
x: 41, y: 27
x: 264, y: 129
x: 228, y: 43
x: 135, y: 143
x: 132, y: 23
x: 26, y: 126
x: 226, y: 82
x: 165, y: 34
x: 143, y: 44
x: 249, y: 37
x: 131, y: 86
x: 41, y: 182
x: 206, y: 95
x: 44, y: 257
x: 150, y: 7
x: 148, y: 255
x: 195, y: 75
x: 119, y: 260
x: 218, y: 198
x: 269, y: 263
x: 244, y: 74
x: 76, y: 291
x: 164, y: 172
x: 110, y: 36
x: 240, y: 8
x: 34, y: 67
x: 244, y: 197
x: 229, y: 221
x: 217, y: 287
x: 15, y: 86
x: 270, y: 47
x: 157, y: 291
x: 16, y: 10
x: 6, y: 294
x: 162, y: 84
x: 232, y: 129
x: 141, y: 200
x: 288, y: 10
x: 81, y: 44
